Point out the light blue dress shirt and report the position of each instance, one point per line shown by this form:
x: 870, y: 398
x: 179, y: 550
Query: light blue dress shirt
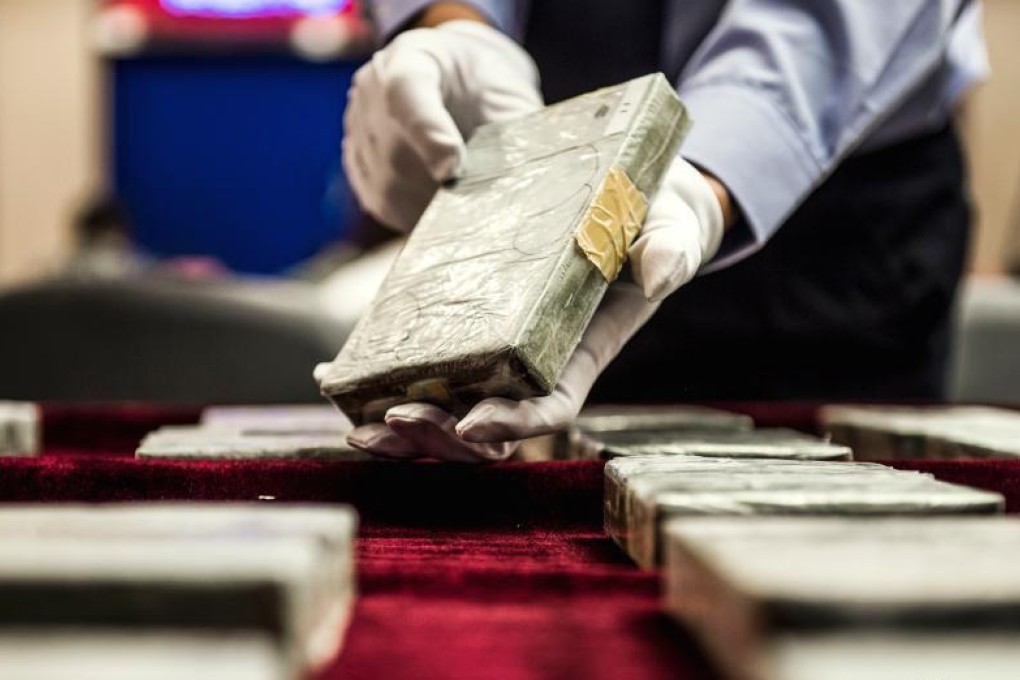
x: 781, y: 91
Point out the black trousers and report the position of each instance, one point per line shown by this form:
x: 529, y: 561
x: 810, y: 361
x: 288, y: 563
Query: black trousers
x: 851, y: 299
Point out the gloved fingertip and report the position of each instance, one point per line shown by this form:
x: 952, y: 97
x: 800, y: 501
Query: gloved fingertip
x: 379, y: 440
x: 487, y: 422
x: 360, y: 442
x: 473, y: 432
x: 320, y: 371
x: 412, y: 411
x: 446, y: 166
x: 495, y: 430
x: 656, y: 289
x: 497, y: 454
x: 661, y: 266
x: 480, y: 414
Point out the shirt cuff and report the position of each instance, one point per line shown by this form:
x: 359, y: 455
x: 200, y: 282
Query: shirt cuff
x: 754, y: 149
x: 390, y: 16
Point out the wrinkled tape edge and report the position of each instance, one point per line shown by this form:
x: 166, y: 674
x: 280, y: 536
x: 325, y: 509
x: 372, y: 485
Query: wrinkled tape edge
x: 612, y: 222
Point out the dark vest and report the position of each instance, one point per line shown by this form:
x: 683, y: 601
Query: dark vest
x: 581, y: 45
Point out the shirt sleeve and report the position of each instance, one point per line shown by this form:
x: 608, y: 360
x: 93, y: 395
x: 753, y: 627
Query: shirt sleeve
x: 780, y: 93
x: 389, y: 16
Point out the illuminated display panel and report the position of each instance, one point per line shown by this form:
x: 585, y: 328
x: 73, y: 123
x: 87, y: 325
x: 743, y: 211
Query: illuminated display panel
x: 232, y: 22
x: 250, y: 9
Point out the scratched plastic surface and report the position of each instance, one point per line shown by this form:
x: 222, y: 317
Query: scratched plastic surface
x: 491, y: 294
x: 888, y: 431
x: 643, y: 492
x: 632, y: 484
x: 779, y: 443
x: 835, y: 599
x: 869, y: 567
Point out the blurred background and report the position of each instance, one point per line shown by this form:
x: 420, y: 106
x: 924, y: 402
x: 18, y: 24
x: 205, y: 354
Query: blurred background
x: 173, y: 197
x: 175, y: 224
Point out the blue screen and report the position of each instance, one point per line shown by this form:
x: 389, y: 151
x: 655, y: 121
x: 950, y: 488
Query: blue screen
x: 234, y: 157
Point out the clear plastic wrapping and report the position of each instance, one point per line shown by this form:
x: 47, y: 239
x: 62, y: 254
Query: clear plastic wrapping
x: 775, y: 585
x: 626, y: 418
x: 503, y: 272
x: 595, y: 421
x: 287, y: 573
x: 627, y: 478
x: 644, y: 492
x: 902, y: 432
x: 20, y: 429
x: 277, y: 420
x: 135, y: 655
x: 766, y: 443
x: 226, y: 442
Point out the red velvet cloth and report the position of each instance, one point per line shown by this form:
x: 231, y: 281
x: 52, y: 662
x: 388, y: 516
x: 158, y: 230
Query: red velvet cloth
x: 510, y: 603
x: 106, y: 429
x: 465, y: 572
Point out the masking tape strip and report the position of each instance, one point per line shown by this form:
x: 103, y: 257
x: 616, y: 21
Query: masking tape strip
x: 612, y: 222
x: 433, y: 391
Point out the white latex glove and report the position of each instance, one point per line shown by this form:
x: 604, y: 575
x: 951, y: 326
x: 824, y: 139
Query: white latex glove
x: 682, y: 231
x: 411, y: 107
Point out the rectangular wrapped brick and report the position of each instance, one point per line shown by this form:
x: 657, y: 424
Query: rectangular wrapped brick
x: 506, y: 267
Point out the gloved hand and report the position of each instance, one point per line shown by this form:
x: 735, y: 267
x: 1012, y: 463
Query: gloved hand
x: 682, y: 231
x: 413, y: 105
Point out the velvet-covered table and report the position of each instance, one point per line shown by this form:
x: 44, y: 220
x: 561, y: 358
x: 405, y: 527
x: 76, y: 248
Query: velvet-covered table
x: 464, y: 572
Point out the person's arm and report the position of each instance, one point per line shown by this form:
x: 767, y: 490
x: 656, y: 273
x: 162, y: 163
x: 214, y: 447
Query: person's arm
x: 780, y: 93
